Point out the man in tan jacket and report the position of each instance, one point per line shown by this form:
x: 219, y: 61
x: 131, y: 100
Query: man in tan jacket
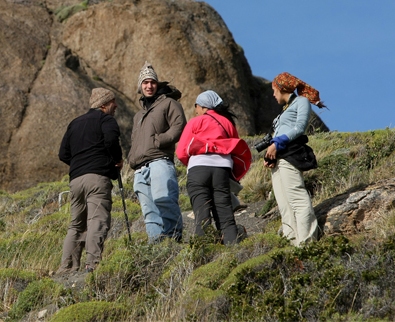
x: 157, y: 128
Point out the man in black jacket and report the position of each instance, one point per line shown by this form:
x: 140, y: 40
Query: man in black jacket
x: 91, y: 148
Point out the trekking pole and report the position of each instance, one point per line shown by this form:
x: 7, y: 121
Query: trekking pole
x: 124, y: 204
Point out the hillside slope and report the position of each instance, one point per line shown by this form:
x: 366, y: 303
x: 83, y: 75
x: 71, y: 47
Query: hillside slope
x: 346, y: 276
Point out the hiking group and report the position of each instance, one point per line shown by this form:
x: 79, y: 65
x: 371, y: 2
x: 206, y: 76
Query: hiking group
x: 208, y: 144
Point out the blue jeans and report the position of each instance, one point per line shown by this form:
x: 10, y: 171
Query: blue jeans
x: 156, y: 187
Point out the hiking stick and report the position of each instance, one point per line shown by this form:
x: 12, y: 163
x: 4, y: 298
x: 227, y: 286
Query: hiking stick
x: 124, y: 204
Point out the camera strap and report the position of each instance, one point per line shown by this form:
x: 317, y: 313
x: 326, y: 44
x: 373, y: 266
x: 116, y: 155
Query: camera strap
x: 290, y: 100
x: 227, y: 134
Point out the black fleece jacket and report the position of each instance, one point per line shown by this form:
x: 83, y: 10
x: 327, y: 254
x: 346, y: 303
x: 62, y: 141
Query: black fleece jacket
x: 91, y: 145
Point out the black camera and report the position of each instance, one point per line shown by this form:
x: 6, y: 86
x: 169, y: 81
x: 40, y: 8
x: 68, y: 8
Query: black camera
x: 260, y: 146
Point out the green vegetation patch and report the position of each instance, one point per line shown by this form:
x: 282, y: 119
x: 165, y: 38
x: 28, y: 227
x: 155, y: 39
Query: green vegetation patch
x: 11, y: 273
x: 12, y: 282
x: 263, y: 278
x: 36, y: 295
x: 92, y: 311
x: 133, y: 268
x: 314, y: 282
x: 257, y: 182
x: 184, y: 201
x: 65, y: 12
x: 203, y: 304
x: 133, y: 210
x: 213, y: 274
x: 32, y: 250
x: 55, y: 222
x: 349, y: 160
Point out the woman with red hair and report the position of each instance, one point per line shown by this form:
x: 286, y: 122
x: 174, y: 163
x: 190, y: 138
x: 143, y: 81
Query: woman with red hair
x: 299, y: 223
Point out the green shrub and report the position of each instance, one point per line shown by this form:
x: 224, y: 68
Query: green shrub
x: 12, y: 282
x: 36, y: 295
x: 92, y: 311
x: 65, y: 12
x: 131, y: 269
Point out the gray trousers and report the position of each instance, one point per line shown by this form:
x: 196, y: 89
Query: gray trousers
x: 90, y: 220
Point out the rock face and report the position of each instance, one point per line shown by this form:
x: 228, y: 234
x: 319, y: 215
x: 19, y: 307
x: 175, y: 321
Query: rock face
x: 357, y: 211
x: 49, y: 65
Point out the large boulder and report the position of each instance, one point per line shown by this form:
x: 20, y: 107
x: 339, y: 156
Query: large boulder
x: 53, y: 53
x: 359, y: 210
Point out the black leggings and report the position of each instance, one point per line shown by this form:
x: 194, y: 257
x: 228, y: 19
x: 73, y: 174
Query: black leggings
x: 209, y: 193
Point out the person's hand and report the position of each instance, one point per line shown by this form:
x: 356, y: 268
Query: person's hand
x: 271, y: 154
x: 269, y: 164
x: 119, y: 165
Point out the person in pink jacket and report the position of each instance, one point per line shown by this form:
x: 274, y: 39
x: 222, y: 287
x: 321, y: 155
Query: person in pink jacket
x: 213, y: 152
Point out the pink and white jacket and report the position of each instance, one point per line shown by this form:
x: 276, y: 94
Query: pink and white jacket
x: 214, y: 133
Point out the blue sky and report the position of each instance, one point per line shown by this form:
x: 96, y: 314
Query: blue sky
x: 343, y: 48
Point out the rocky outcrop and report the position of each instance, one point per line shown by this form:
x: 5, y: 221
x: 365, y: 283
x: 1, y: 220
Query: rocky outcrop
x: 51, y: 59
x: 361, y: 210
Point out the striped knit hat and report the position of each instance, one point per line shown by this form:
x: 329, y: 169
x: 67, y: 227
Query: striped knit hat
x: 146, y: 72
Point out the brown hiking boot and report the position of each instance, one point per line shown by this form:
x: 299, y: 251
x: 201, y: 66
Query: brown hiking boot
x: 66, y: 270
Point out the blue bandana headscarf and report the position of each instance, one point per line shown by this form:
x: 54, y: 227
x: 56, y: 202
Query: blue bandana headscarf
x: 209, y: 99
